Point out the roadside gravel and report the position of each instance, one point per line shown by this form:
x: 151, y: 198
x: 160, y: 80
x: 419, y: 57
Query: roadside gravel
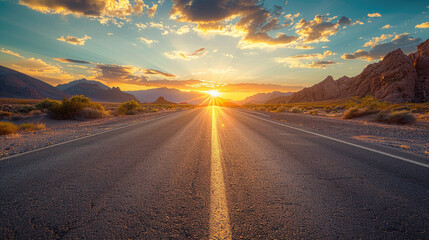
x: 412, y: 138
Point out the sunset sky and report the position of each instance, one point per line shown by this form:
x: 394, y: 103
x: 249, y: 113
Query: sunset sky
x: 239, y: 47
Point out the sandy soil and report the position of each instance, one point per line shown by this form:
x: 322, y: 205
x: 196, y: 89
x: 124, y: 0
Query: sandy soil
x: 413, y: 138
x: 58, y: 131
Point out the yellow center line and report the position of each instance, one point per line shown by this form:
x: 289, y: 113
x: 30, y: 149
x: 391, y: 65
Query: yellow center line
x: 219, y: 217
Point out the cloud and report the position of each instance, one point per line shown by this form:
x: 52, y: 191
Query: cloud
x: 157, y: 72
x: 74, y: 40
x: 103, y: 11
x: 110, y: 34
x: 147, y: 41
x: 246, y: 19
x: 10, y: 52
x: 141, y: 26
x: 186, y: 55
x: 403, y: 41
x: 68, y: 60
x: 386, y: 26
x: 152, y: 10
x: 358, y: 22
x: 376, y: 40
x: 423, y: 25
x: 114, y: 74
x: 304, y: 60
x: 40, y: 69
x: 373, y: 15
x: 319, y: 29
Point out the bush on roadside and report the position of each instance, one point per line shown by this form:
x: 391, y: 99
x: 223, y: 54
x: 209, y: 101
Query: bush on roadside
x: 295, y: 110
x: 5, y: 114
x: 356, y: 112
x: 129, y: 108
x: 7, y: 128
x: 47, y: 105
x: 314, y: 112
x: 26, y: 109
x: 281, y: 109
x: 73, y: 108
x: 32, y: 126
x: 396, y: 117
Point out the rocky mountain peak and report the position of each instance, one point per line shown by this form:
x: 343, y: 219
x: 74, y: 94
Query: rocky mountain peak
x: 397, y: 78
x: 424, y: 48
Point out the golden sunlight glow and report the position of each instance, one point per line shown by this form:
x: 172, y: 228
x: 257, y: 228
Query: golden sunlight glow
x: 213, y: 93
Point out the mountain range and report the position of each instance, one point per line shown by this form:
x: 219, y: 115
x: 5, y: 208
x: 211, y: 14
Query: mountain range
x: 95, y: 90
x: 261, y: 98
x: 397, y: 78
x: 172, y: 94
x: 14, y: 84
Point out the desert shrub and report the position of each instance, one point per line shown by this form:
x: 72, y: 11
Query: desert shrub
x: 314, y: 111
x: 395, y: 117
x: 73, y: 108
x: 35, y: 112
x: 47, y: 104
x: 91, y: 113
x: 7, y: 128
x: 295, y: 110
x: 281, y: 109
x: 356, y: 112
x: 32, y: 126
x: 129, y: 108
x: 26, y: 109
x: 5, y: 114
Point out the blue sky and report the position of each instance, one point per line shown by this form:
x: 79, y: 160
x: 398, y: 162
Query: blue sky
x: 240, y: 47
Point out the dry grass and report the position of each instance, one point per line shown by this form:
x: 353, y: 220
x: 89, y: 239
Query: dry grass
x: 396, y: 117
x: 357, y: 112
x: 296, y: 110
x: 32, y: 126
x: 7, y: 128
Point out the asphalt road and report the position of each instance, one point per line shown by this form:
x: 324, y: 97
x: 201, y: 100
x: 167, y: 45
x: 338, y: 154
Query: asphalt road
x: 213, y: 173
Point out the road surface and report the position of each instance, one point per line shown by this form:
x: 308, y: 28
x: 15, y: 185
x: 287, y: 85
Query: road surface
x: 213, y: 173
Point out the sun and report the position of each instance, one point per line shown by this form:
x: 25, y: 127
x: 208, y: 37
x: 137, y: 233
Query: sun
x: 213, y: 93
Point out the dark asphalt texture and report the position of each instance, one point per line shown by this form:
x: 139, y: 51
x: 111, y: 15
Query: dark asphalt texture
x: 152, y: 181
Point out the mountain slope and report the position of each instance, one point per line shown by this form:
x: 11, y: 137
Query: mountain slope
x: 14, y: 84
x: 172, y: 94
x: 97, y: 93
x: 397, y: 78
x: 261, y: 98
x: 64, y: 86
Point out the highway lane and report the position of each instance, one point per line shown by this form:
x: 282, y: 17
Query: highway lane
x: 212, y: 173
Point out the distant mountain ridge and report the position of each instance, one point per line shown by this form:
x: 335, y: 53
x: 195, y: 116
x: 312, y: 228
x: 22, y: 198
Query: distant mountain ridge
x: 65, y: 86
x: 96, y: 92
x: 162, y: 100
x: 14, y: 84
x: 397, y: 78
x: 261, y: 98
x: 172, y: 94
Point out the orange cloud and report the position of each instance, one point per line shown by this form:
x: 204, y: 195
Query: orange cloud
x: 302, y: 60
x: 10, y: 52
x: 423, y: 25
x: 252, y: 27
x: 74, y: 40
x: 372, y: 15
x: 319, y: 29
x: 403, y: 41
x: 102, y: 10
x: 42, y: 70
